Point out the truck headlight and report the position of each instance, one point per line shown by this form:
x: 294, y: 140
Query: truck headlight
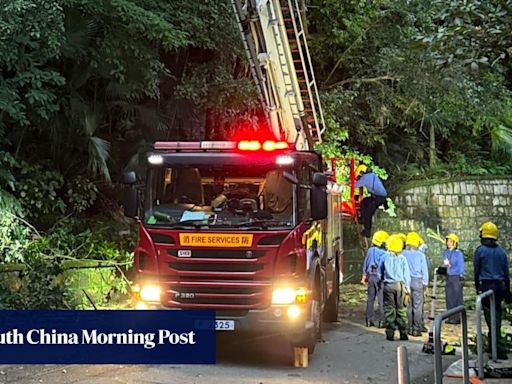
x: 288, y: 295
x: 283, y: 296
x: 150, y: 293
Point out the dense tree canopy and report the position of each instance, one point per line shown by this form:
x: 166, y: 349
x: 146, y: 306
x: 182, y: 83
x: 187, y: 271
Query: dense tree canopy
x: 417, y: 83
x: 86, y: 85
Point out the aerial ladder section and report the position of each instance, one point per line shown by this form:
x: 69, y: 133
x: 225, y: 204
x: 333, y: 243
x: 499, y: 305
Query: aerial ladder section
x: 275, y: 42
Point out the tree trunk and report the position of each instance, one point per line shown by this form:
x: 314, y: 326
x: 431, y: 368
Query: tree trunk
x: 432, y: 146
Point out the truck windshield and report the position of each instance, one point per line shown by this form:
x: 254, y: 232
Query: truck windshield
x: 227, y: 197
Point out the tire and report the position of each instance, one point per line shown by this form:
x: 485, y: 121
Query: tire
x: 333, y: 303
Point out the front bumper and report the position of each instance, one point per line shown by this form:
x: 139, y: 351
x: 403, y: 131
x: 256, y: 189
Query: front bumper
x: 270, y: 321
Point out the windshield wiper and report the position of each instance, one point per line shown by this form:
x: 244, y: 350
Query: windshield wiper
x: 188, y: 223
x: 259, y: 223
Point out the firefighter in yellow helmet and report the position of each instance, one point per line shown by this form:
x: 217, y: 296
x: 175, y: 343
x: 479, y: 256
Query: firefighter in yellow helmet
x: 378, y: 196
x: 491, y: 272
x: 396, y: 278
x: 419, y: 280
x: 453, y: 259
x: 371, y: 277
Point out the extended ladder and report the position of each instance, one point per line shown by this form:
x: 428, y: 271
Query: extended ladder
x: 276, y: 46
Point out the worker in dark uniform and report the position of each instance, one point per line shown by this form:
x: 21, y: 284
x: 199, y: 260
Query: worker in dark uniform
x: 378, y: 196
x: 453, y: 259
x: 371, y: 276
x: 491, y: 273
x: 419, y: 280
x: 396, y: 277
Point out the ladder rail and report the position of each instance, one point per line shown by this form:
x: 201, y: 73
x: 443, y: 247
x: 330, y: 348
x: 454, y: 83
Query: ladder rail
x: 258, y: 23
x: 305, y: 57
x: 243, y: 22
x: 286, y: 86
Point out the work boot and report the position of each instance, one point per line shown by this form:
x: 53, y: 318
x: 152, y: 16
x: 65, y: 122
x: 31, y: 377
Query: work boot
x: 403, y: 335
x: 390, y: 335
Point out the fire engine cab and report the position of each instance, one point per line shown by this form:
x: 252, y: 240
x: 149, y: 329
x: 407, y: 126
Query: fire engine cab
x: 249, y: 229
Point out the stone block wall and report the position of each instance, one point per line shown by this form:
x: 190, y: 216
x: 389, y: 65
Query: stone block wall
x: 455, y: 205
x: 458, y: 206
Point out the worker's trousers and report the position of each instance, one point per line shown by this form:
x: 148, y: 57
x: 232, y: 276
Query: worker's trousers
x: 453, y: 295
x: 374, y: 292
x: 368, y: 207
x: 394, y: 308
x: 499, y: 289
x: 415, y: 309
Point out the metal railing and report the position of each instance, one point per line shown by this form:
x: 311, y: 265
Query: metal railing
x: 479, y: 337
x: 403, y: 365
x: 438, y: 346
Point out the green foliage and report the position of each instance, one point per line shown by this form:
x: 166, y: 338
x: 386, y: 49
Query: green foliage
x: 32, y: 34
x: 38, y: 287
x: 38, y: 190
x: 81, y: 194
x: 47, y: 282
x: 14, y: 235
x: 397, y: 76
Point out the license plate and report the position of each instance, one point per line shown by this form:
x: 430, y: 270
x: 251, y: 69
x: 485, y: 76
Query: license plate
x: 224, y: 325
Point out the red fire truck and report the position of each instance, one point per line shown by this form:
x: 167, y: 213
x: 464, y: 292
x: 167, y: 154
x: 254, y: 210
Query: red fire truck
x: 249, y: 229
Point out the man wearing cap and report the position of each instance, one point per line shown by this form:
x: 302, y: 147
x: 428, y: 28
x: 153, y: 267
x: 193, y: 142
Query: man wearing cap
x: 491, y: 273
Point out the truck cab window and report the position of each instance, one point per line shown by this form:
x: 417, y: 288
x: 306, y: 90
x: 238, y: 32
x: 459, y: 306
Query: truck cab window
x: 225, y: 195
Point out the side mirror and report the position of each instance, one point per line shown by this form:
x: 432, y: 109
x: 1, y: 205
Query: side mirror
x: 319, y: 197
x: 319, y: 179
x: 129, y: 177
x: 131, y: 202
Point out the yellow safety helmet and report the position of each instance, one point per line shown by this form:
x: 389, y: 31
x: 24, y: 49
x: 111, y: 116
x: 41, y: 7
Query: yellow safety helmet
x: 413, y: 239
x: 453, y: 237
x: 489, y: 230
x: 402, y: 236
x: 395, y: 244
x: 361, y: 169
x: 379, y: 238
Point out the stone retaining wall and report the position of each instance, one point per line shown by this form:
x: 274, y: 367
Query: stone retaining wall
x: 458, y: 206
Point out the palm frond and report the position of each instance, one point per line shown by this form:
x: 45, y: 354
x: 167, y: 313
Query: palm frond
x: 501, y: 140
x: 99, y: 153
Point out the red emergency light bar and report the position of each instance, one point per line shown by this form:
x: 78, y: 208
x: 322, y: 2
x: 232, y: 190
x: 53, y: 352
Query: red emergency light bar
x: 243, y: 145
x: 267, y: 146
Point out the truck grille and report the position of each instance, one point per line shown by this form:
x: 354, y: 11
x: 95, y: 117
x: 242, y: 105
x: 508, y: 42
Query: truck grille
x: 218, y: 295
x: 220, y: 279
x: 216, y: 267
x: 220, y: 254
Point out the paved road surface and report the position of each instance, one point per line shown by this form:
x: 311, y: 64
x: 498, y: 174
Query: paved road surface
x: 351, y: 354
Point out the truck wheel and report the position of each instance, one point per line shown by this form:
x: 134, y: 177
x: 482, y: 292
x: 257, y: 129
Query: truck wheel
x: 333, y: 303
